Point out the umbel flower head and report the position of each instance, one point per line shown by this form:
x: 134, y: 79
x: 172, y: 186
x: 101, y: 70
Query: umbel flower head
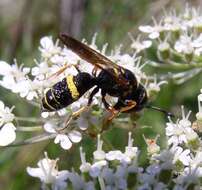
x: 48, y: 173
x: 171, y: 168
x: 54, y: 65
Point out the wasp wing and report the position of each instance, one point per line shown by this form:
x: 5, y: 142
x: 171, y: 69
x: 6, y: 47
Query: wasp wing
x: 94, y: 57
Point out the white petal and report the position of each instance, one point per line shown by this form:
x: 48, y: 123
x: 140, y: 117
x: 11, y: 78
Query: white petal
x: 147, y: 43
x: 7, y: 134
x: 36, y: 172
x: 46, y: 42
x: 26, y: 70
x: 1, y: 105
x: 64, y: 141
x: 35, y: 71
x: 75, y: 136
x: 44, y: 114
x: 114, y: 155
x: 5, y: 68
x: 49, y: 127
x: 154, y: 35
x: 146, y: 29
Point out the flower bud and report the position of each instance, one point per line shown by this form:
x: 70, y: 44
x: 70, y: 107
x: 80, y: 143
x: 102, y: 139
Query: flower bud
x: 179, y: 166
x: 163, y: 51
x: 152, y: 147
x: 198, y: 27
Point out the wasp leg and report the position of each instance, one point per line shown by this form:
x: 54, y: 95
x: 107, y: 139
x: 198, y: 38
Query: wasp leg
x: 107, y: 120
x: 106, y: 105
x: 72, y: 116
x: 129, y: 105
x: 112, y: 110
x: 94, y: 71
x: 95, y: 91
x: 77, y: 68
x: 61, y: 70
x: 82, y: 109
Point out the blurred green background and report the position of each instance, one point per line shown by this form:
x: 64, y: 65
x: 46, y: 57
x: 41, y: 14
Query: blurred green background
x: 24, y: 22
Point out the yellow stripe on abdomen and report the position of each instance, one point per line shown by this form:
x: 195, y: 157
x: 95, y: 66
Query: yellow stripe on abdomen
x: 72, y: 87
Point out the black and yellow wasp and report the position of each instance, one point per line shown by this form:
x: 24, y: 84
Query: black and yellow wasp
x: 113, y: 80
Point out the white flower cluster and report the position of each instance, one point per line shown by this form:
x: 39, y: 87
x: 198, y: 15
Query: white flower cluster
x: 175, y: 34
x: 174, y: 44
x: 32, y: 83
x: 179, y: 166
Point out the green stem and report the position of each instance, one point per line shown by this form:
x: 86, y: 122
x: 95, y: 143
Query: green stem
x: 176, y: 66
x: 101, y: 182
x: 29, y: 129
x: 29, y: 119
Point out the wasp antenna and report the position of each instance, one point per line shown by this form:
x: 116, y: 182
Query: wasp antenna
x: 168, y: 114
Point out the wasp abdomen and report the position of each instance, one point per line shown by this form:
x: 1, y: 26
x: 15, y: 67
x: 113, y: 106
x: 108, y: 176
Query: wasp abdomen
x: 67, y: 91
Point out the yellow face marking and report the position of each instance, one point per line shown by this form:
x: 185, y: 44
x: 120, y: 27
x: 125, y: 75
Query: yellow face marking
x: 48, y: 103
x: 72, y: 87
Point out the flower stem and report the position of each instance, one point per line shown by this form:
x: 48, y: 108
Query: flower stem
x: 176, y: 66
x: 29, y: 119
x: 101, y: 182
x: 28, y: 129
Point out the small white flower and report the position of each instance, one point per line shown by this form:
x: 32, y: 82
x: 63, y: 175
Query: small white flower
x: 154, y: 87
x: 64, y: 139
x: 184, y: 45
x: 181, y: 155
x: 153, y: 31
x: 13, y: 75
x: 140, y: 45
x: 184, y: 121
x: 48, y: 173
x: 41, y: 70
x: 48, y: 48
x: 176, y: 133
x: 5, y: 114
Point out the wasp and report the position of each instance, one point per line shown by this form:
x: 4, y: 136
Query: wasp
x: 112, y: 80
